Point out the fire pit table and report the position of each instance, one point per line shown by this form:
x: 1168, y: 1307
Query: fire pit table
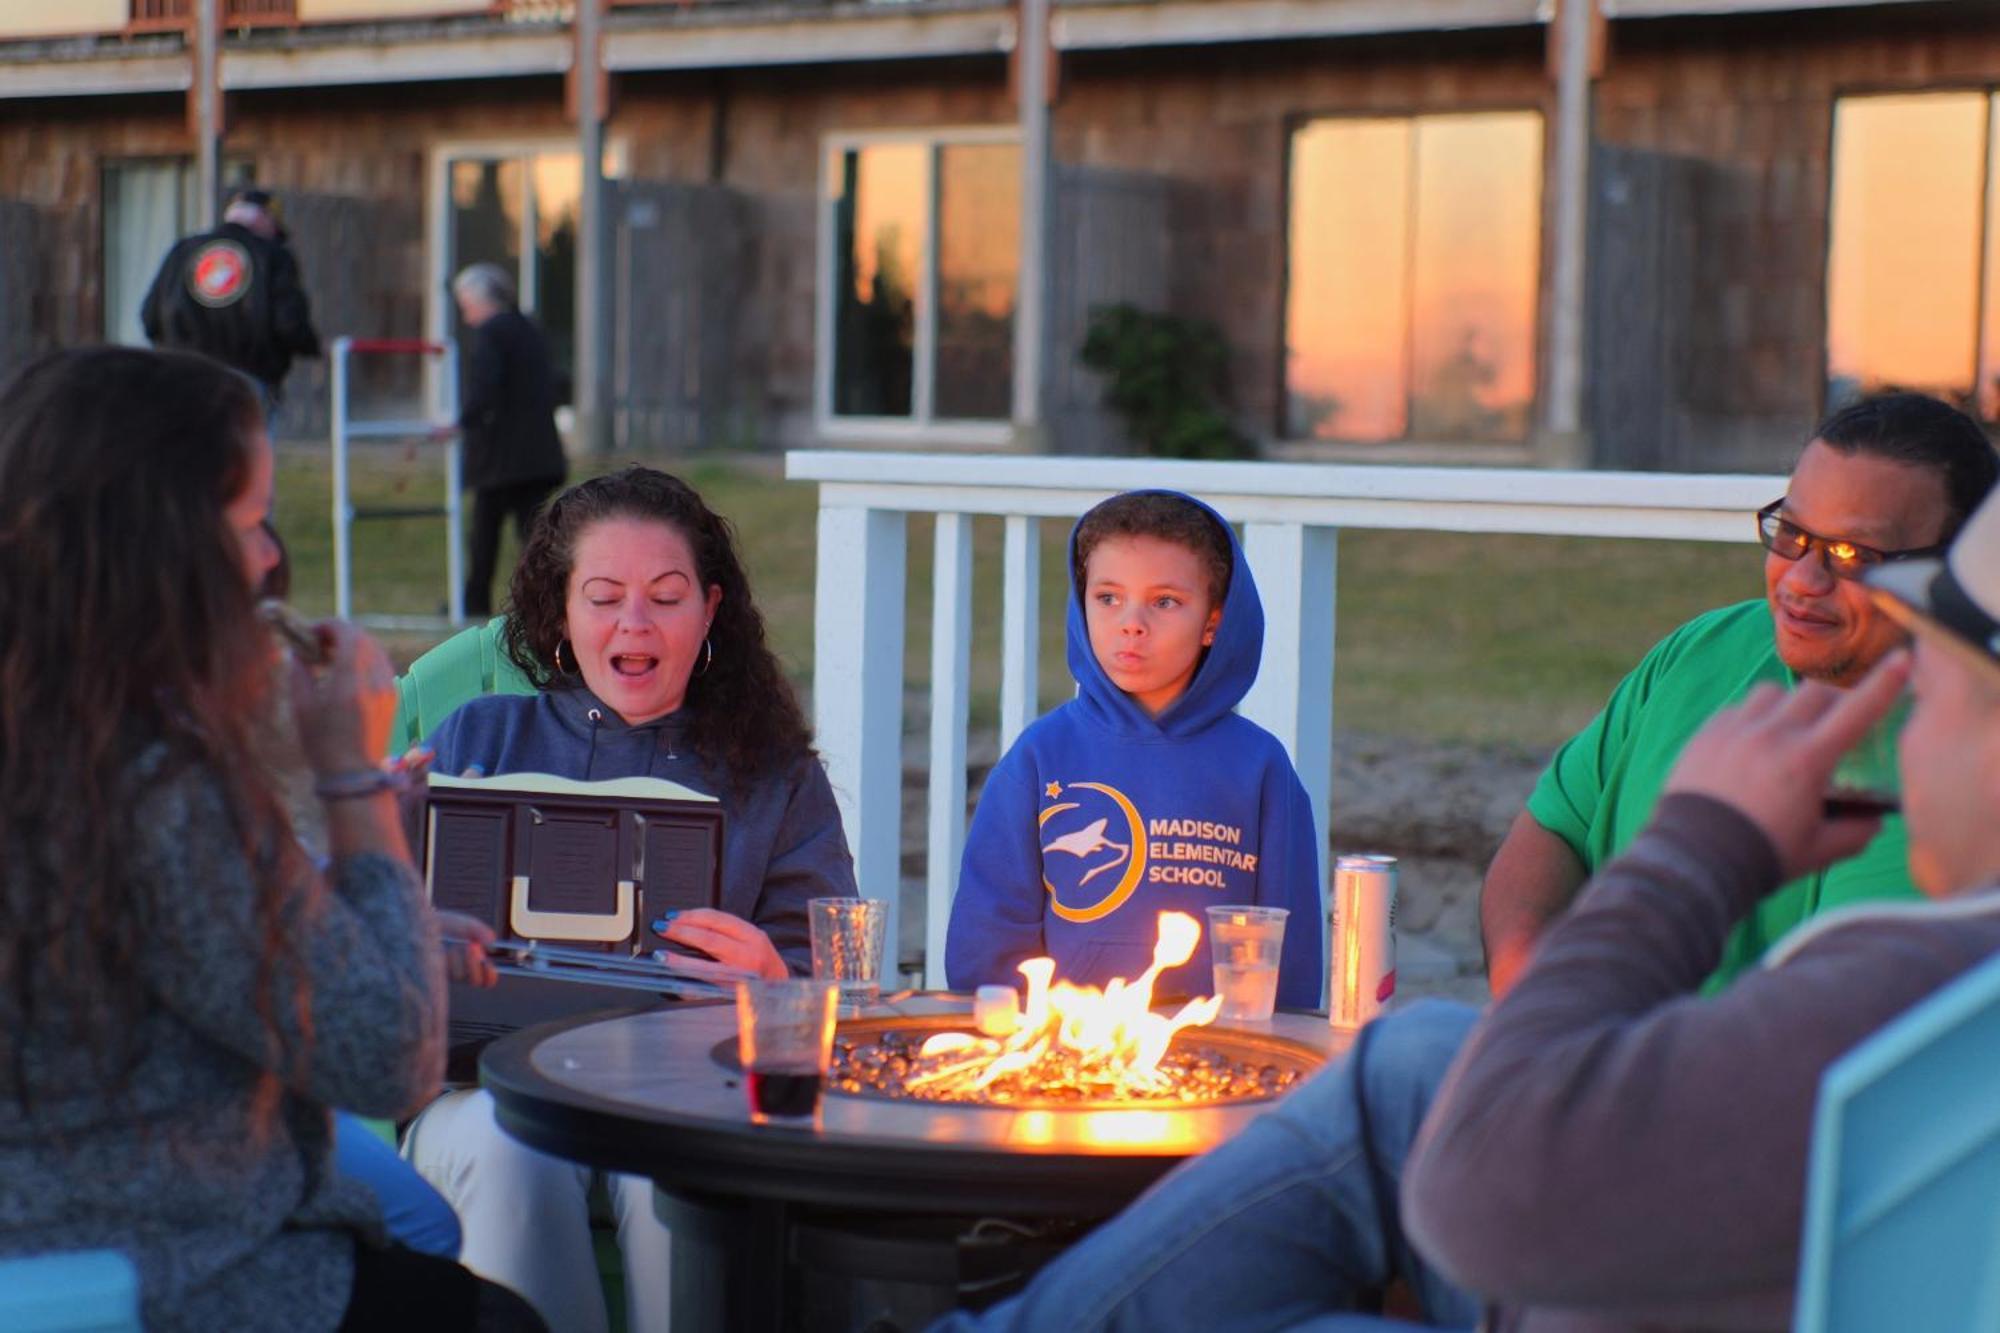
x: 881, y: 1211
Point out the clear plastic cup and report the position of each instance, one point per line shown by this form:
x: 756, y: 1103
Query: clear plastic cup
x: 1244, y: 944
x: 784, y: 1034
x: 847, y: 938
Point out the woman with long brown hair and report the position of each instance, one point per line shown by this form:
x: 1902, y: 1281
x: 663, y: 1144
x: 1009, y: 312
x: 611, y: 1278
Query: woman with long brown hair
x: 631, y: 613
x: 182, y: 994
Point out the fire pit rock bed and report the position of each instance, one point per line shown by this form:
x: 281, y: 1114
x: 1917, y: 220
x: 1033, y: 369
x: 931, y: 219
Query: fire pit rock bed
x: 879, y: 1057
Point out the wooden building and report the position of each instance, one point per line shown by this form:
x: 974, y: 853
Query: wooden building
x: 1425, y: 232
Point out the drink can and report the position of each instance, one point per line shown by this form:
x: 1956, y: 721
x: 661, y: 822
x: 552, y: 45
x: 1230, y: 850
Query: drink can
x: 1364, y: 939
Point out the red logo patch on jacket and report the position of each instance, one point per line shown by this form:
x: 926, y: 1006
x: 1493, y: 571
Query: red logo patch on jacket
x: 220, y: 274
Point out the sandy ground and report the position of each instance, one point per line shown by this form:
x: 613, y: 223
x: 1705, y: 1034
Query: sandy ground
x: 1441, y: 809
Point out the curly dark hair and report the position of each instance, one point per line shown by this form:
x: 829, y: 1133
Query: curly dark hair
x: 125, y: 620
x: 1167, y: 515
x: 1920, y: 431
x: 742, y: 715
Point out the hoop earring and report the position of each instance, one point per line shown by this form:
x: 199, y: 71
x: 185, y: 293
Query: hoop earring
x: 560, y: 668
x: 707, y: 657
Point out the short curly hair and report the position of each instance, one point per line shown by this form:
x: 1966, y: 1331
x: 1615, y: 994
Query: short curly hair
x: 1919, y: 431
x: 1167, y: 515
x: 742, y: 714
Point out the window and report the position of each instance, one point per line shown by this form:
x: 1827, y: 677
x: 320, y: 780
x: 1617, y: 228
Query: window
x: 518, y: 209
x: 1913, y: 237
x: 1413, y: 278
x: 919, y: 274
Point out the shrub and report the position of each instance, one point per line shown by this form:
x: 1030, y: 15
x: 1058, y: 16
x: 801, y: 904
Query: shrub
x: 1168, y: 379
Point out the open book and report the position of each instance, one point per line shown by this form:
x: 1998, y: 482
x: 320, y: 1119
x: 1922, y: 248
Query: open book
x: 591, y: 864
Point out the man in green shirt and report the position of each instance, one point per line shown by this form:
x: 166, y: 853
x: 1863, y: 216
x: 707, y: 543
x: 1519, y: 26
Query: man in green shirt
x: 1888, y: 478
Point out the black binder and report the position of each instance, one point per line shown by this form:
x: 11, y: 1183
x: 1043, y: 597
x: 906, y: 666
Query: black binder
x: 583, y: 865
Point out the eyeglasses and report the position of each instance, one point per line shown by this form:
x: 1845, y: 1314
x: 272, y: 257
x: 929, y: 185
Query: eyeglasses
x: 1843, y: 559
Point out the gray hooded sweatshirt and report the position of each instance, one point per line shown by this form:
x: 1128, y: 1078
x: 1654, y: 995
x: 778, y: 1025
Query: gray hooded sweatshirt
x: 1611, y: 1151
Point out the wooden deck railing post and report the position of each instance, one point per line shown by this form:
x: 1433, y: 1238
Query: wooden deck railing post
x: 858, y: 692
x: 1291, y: 514
x: 951, y: 689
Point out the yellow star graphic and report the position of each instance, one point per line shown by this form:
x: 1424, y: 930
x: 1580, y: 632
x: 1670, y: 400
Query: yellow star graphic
x: 1054, y: 789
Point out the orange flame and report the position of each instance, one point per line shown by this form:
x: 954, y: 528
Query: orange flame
x: 1107, y: 1042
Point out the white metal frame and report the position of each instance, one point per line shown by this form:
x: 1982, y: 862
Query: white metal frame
x: 1290, y: 513
x: 442, y: 428
x: 440, y: 263
x: 920, y: 428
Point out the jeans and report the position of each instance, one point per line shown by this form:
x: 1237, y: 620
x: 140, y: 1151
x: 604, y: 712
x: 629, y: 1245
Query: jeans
x: 416, y: 1215
x: 1287, y: 1224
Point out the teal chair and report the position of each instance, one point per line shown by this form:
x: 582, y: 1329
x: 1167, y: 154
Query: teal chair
x: 470, y: 663
x: 1903, y: 1193
x: 82, y: 1291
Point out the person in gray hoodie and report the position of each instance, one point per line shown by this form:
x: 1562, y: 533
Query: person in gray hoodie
x: 632, y: 615
x: 183, y: 994
x: 1606, y: 1149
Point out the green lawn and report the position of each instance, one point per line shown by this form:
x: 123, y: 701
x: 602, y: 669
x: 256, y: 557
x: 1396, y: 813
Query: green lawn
x: 1441, y: 636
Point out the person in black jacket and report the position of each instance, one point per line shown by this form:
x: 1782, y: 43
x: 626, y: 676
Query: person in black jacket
x: 233, y: 294
x: 513, y: 456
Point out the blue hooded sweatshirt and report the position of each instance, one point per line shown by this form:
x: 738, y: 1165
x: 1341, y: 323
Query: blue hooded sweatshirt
x: 1101, y: 817
x: 782, y: 841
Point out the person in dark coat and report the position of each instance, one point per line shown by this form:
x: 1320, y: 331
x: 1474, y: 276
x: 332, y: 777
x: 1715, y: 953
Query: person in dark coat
x: 513, y: 456
x: 233, y: 294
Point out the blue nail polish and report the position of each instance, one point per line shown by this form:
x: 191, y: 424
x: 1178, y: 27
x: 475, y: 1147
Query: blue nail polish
x: 660, y: 926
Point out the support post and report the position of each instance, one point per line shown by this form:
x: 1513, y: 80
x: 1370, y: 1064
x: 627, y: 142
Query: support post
x: 205, y: 109
x: 1032, y: 89
x: 951, y: 682
x: 343, y: 507
x: 1574, y: 52
x: 1020, y: 627
x: 588, y: 98
x: 858, y: 693
x: 454, y: 488
x: 1293, y: 696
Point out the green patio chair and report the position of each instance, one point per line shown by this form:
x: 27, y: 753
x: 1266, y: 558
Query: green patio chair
x: 470, y: 663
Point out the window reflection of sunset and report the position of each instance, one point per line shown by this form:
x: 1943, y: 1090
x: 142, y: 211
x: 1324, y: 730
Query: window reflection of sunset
x: 891, y: 181
x: 978, y: 269
x: 1349, y: 302
x: 468, y: 178
x: 558, y: 187
x: 1479, y: 193
x: 1414, y: 247
x: 979, y: 226
x: 1902, y: 275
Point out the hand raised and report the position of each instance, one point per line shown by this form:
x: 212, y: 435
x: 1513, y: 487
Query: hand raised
x: 345, y: 705
x: 1772, y: 756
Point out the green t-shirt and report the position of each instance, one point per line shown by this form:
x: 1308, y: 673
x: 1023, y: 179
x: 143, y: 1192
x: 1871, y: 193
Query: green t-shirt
x: 1599, y: 790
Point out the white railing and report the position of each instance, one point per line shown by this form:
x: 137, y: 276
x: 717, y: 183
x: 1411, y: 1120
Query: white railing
x: 1290, y: 515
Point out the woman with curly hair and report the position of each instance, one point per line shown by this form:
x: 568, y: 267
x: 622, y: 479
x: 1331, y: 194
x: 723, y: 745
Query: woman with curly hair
x: 183, y: 994
x: 632, y: 616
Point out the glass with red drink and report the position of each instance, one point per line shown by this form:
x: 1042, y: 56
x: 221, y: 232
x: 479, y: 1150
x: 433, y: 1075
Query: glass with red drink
x: 784, y: 1034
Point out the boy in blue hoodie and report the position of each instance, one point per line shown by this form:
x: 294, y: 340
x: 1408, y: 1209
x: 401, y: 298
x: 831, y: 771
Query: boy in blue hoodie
x: 1145, y: 793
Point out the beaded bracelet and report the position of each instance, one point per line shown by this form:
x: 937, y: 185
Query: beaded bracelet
x: 361, y: 782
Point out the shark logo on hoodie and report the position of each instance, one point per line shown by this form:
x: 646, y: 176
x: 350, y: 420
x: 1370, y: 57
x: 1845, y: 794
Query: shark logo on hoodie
x: 1084, y: 847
